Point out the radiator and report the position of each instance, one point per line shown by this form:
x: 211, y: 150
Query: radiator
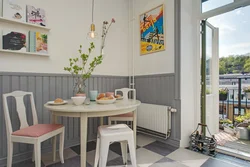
x: 154, y: 120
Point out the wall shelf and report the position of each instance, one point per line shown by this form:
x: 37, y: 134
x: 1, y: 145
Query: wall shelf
x: 24, y: 53
x: 2, y: 19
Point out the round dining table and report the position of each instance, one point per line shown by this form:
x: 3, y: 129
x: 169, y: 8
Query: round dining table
x: 86, y: 111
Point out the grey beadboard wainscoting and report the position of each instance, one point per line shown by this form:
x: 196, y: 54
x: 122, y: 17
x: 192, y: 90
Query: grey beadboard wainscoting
x: 48, y: 87
x: 160, y: 89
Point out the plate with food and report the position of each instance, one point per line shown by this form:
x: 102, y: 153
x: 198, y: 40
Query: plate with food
x: 118, y: 97
x: 102, y: 99
x: 57, y: 101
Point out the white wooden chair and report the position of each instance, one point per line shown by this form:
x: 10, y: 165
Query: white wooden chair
x: 34, y: 134
x: 123, y: 117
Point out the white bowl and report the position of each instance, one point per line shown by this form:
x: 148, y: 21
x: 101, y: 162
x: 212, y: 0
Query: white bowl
x: 78, y: 100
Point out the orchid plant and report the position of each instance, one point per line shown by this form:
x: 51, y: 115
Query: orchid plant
x: 79, y: 67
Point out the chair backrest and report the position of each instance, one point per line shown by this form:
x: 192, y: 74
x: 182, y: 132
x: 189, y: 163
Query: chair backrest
x: 21, y: 109
x: 125, y: 92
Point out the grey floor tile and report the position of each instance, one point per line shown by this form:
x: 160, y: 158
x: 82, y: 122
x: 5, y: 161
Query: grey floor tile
x: 166, y: 162
x: 116, y: 147
x: 117, y: 161
x: 143, y: 140
x: 90, y: 147
x: 146, y: 157
x: 48, y: 160
x: 91, y: 156
x: 217, y: 163
x: 160, y: 148
x: 73, y: 162
x: 26, y: 163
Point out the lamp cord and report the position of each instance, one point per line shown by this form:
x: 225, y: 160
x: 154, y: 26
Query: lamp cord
x: 92, y: 11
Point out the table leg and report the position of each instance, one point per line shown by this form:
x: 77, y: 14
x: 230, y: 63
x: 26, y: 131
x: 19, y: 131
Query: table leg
x: 54, y: 121
x: 84, y: 130
x: 135, y: 125
x: 101, y: 121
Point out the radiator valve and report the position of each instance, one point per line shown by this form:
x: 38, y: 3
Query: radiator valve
x: 173, y: 110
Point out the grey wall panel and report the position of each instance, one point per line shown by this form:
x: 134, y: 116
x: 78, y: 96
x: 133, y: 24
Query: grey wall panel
x: 47, y: 87
x: 155, y: 89
x: 160, y: 89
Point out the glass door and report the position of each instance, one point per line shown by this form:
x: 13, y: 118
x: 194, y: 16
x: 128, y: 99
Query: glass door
x: 210, y: 76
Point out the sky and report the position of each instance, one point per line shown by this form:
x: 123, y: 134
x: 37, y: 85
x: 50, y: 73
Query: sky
x: 234, y: 28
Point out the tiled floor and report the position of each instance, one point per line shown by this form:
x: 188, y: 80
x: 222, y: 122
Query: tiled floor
x: 150, y: 153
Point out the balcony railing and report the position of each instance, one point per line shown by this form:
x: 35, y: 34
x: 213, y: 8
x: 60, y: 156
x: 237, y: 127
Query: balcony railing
x: 237, y: 103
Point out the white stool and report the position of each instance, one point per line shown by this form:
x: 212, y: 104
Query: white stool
x: 114, y: 133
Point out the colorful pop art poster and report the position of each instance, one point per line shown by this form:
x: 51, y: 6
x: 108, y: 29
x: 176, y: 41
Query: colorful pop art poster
x: 152, y: 38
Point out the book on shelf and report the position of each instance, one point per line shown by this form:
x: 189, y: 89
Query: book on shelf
x: 35, y: 15
x: 15, y: 41
x: 38, y: 42
x: 14, y: 11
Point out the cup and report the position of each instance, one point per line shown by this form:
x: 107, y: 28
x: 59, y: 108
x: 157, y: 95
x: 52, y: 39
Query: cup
x: 93, y: 95
x: 109, y: 94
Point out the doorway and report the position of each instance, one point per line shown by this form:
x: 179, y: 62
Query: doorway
x: 212, y: 53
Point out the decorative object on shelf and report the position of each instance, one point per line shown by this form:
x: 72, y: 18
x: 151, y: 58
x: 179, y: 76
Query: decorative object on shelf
x: 223, y: 92
x: 14, y: 11
x: 27, y: 25
x: 201, y: 143
x: 38, y: 42
x: 92, y: 34
x: 152, y: 31
x: 36, y: 15
x: 14, y: 41
x: 93, y: 95
x: 80, y: 70
x: 105, y: 29
x: 246, y: 90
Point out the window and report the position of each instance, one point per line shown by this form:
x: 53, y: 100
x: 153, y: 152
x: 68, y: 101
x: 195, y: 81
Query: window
x: 208, y: 5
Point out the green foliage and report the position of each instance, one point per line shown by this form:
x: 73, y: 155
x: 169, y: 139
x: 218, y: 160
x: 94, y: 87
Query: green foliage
x: 246, y: 89
x: 77, y: 66
x: 242, y: 118
x: 223, y: 91
x: 225, y: 121
x: 208, y: 91
x: 234, y: 64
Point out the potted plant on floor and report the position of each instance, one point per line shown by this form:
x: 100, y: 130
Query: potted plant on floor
x: 229, y: 128
x: 246, y: 90
x: 223, y: 92
x: 242, y: 126
x: 224, y: 121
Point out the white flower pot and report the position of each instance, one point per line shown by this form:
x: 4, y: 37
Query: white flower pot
x: 247, y: 95
x: 229, y: 130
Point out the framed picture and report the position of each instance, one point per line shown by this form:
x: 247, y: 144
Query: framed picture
x: 152, y: 31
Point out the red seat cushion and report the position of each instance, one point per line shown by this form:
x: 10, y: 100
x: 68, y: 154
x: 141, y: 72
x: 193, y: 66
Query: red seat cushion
x: 37, y: 130
x: 130, y: 114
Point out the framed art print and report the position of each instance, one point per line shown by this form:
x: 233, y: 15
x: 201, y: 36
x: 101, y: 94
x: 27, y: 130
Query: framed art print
x: 152, y: 31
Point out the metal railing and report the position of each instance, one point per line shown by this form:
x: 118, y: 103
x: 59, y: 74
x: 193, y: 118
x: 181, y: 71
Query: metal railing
x: 237, y: 103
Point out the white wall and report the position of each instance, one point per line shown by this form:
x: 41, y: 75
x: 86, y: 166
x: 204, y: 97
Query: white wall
x: 69, y: 21
x: 159, y: 62
x: 190, y: 92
